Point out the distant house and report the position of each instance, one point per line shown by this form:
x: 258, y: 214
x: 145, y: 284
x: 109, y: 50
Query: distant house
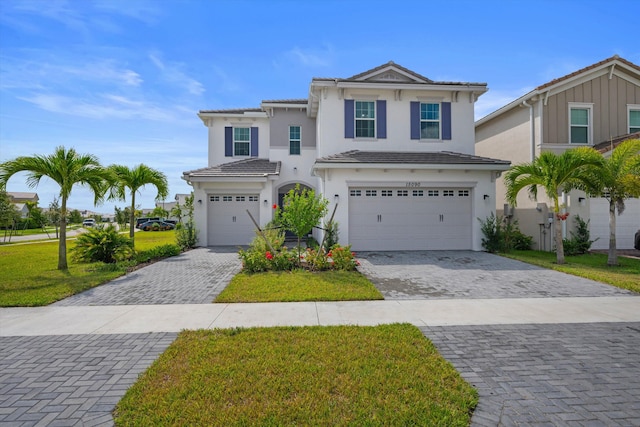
x: 19, y: 199
x: 168, y: 206
x: 596, y: 106
x: 390, y: 149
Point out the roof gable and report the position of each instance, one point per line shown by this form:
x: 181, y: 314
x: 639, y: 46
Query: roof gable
x: 390, y: 72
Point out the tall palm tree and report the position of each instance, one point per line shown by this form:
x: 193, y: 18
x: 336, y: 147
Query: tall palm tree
x: 555, y: 174
x: 67, y: 168
x: 617, y: 179
x: 133, y: 179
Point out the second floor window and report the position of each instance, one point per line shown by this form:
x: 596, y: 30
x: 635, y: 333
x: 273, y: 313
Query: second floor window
x: 241, y: 141
x: 634, y: 120
x: 365, y: 116
x: 294, y: 140
x: 429, y: 121
x: 579, y: 125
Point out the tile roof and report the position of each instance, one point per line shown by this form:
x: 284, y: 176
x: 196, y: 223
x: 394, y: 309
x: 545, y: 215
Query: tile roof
x: 234, y: 110
x: 425, y: 80
x: 438, y: 157
x: 242, y: 169
x: 605, y: 146
x: 286, y: 101
x: 590, y: 67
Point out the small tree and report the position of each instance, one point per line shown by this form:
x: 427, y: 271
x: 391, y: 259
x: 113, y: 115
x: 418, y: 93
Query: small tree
x: 187, y: 236
x: 301, y: 211
x: 75, y: 217
x: 176, y: 212
x: 9, y: 214
x: 160, y: 212
x: 54, y: 214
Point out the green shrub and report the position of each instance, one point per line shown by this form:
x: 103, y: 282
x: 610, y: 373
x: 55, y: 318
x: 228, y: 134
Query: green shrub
x: 316, y: 260
x: 102, y: 245
x: 580, y: 241
x: 343, y: 259
x: 491, y: 227
x: 158, y: 252
x: 331, y: 238
x: 503, y: 236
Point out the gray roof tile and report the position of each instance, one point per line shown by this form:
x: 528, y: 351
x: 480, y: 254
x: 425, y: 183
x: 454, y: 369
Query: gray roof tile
x: 439, y: 157
x: 242, y: 168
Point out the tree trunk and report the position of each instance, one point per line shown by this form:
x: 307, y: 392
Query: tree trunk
x: 132, y: 222
x: 62, y: 243
x: 559, y: 244
x: 613, y: 253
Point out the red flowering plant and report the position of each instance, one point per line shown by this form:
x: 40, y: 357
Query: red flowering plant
x: 341, y: 258
x: 562, y: 217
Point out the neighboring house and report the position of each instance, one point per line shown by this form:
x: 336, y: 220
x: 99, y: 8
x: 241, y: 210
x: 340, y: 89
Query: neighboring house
x: 597, y: 106
x: 391, y: 148
x: 19, y: 200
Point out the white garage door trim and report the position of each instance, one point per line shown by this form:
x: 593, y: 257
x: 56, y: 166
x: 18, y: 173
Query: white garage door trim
x: 392, y: 218
x: 228, y: 221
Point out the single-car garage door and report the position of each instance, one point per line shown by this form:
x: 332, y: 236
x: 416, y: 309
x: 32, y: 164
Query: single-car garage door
x: 410, y: 219
x: 626, y: 224
x: 229, y: 223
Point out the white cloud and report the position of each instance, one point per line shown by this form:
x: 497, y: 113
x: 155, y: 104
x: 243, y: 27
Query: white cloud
x: 311, y: 57
x: 172, y: 73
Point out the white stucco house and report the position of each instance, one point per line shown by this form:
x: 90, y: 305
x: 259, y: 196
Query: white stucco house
x: 391, y: 148
x: 596, y: 106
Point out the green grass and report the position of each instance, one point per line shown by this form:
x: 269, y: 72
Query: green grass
x: 299, y: 285
x: 29, y: 275
x: 333, y: 376
x: 591, y: 266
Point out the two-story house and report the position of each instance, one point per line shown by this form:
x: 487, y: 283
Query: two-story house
x: 392, y: 151
x: 597, y: 106
x: 20, y: 198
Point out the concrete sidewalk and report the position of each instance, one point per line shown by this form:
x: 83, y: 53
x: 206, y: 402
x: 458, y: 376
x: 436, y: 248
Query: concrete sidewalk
x: 133, y: 319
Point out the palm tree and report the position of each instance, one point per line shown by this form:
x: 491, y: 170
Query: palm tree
x: 555, y: 174
x: 617, y: 179
x: 133, y: 179
x: 67, y: 168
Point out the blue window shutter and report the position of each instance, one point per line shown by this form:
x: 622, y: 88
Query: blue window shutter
x: 228, y: 141
x: 349, y: 113
x: 254, y: 142
x: 415, y: 120
x: 446, y: 120
x: 381, y: 118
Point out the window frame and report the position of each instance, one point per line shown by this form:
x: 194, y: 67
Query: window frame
x: 294, y: 140
x: 438, y: 121
x: 357, y: 119
x: 589, y: 126
x: 236, y: 141
x: 635, y: 108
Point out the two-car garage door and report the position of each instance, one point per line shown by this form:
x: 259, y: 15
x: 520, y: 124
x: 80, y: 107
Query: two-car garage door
x: 228, y: 222
x: 410, y: 218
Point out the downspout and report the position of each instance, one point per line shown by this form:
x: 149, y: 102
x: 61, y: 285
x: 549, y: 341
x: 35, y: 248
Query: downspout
x: 532, y: 130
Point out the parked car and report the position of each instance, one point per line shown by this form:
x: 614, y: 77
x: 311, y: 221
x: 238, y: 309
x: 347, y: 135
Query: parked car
x: 89, y: 222
x: 637, y: 244
x: 143, y: 220
x: 156, y: 226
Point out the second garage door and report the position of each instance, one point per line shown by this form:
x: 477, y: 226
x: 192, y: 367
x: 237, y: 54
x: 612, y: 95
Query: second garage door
x: 229, y: 224
x: 410, y: 219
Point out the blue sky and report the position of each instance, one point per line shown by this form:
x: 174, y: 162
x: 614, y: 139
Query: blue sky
x: 124, y: 79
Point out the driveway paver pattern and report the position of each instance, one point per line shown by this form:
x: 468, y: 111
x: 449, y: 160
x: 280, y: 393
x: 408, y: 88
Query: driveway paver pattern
x: 555, y: 375
x: 73, y: 380
x: 194, y: 277
x: 465, y: 274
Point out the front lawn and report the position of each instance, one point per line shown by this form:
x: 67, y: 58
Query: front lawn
x: 29, y: 275
x: 591, y: 266
x: 333, y: 376
x: 299, y: 285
